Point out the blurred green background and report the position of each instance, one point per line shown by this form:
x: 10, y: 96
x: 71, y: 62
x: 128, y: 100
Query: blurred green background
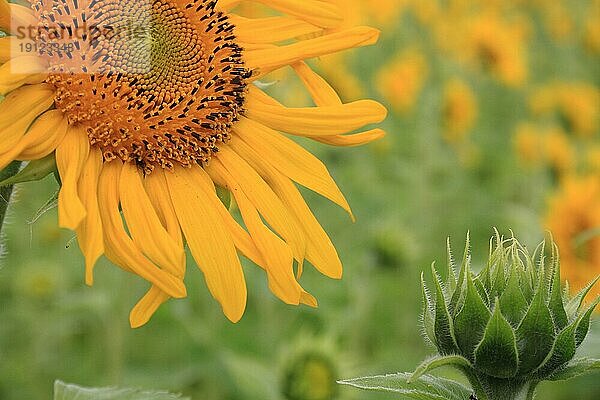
x: 494, y: 114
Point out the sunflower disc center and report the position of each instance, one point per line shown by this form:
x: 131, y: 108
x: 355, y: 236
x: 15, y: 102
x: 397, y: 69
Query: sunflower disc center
x: 154, y: 82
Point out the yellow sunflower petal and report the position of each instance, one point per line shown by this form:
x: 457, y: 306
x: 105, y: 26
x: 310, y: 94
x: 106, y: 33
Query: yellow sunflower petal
x: 46, y: 134
x: 14, y: 16
x: 118, y: 245
x: 316, y: 12
x: 19, y: 109
x: 319, y: 250
x: 49, y: 128
x: 291, y: 159
x: 265, y: 201
x: 208, y: 239
x: 145, y: 227
x: 19, y: 71
x: 324, y: 95
x: 242, y: 240
x: 272, y: 58
x: 276, y: 253
x: 146, y: 307
x: 321, y: 92
x: 89, y: 231
x: 271, y: 29
x: 9, y: 48
x: 357, y: 139
x: 156, y: 188
x: 314, y: 121
x: 71, y: 155
x: 309, y: 300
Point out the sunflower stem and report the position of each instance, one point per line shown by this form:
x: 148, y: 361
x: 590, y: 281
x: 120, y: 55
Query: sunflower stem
x: 6, y: 191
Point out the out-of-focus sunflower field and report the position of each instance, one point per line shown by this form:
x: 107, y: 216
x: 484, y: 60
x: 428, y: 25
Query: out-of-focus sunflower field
x: 495, y: 122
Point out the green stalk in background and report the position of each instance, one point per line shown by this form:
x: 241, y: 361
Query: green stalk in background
x: 6, y: 191
x: 506, y: 329
x: 13, y: 174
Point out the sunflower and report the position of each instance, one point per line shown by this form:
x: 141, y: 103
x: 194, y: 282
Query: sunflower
x: 575, y: 104
x: 574, y: 220
x: 547, y: 146
x: 528, y: 143
x: 495, y: 44
x: 459, y: 111
x: 151, y: 108
x: 401, y: 80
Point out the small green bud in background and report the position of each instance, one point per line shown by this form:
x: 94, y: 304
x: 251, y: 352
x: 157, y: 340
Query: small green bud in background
x: 507, y: 328
x: 310, y: 376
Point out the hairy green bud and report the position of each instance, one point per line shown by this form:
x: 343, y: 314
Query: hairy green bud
x: 508, y: 327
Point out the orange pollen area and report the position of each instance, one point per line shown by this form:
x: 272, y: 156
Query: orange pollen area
x: 153, y: 82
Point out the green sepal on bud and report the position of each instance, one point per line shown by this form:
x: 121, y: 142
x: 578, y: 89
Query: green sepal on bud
x: 35, y: 170
x: 508, y: 327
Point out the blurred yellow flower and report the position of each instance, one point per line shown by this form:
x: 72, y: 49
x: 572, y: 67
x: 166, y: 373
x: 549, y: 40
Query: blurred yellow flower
x: 335, y: 67
x: 384, y: 15
x: 387, y: 12
x: 593, y: 159
x: 426, y: 12
x: 558, y: 150
x: 402, y: 79
x: 577, y: 104
x: 559, y: 22
x: 544, y: 146
x: 574, y: 220
x: 459, y: 110
x: 592, y: 27
x: 496, y: 45
x: 592, y: 34
x: 528, y: 144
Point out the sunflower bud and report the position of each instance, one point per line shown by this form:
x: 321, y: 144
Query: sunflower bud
x: 508, y: 327
x: 310, y: 376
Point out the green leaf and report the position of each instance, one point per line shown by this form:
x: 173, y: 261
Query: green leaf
x: 460, y: 285
x: 497, y: 353
x: 484, y: 274
x: 557, y: 308
x: 529, y: 279
x: 535, y: 334
x: 512, y: 301
x: 470, y: 322
x: 437, y: 362
x: 499, y: 277
x: 575, y: 303
x: 427, y: 387
x: 428, y: 319
x: 34, y: 171
x: 64, y: 391
x: 584, y: 322
x: 562, y: 352
x: 575, y: 368
x: 480, y: 286
x: 443, y: 329
x: 451, y: 274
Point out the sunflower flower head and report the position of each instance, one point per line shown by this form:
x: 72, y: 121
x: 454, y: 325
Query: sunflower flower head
x: 150, y: 107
